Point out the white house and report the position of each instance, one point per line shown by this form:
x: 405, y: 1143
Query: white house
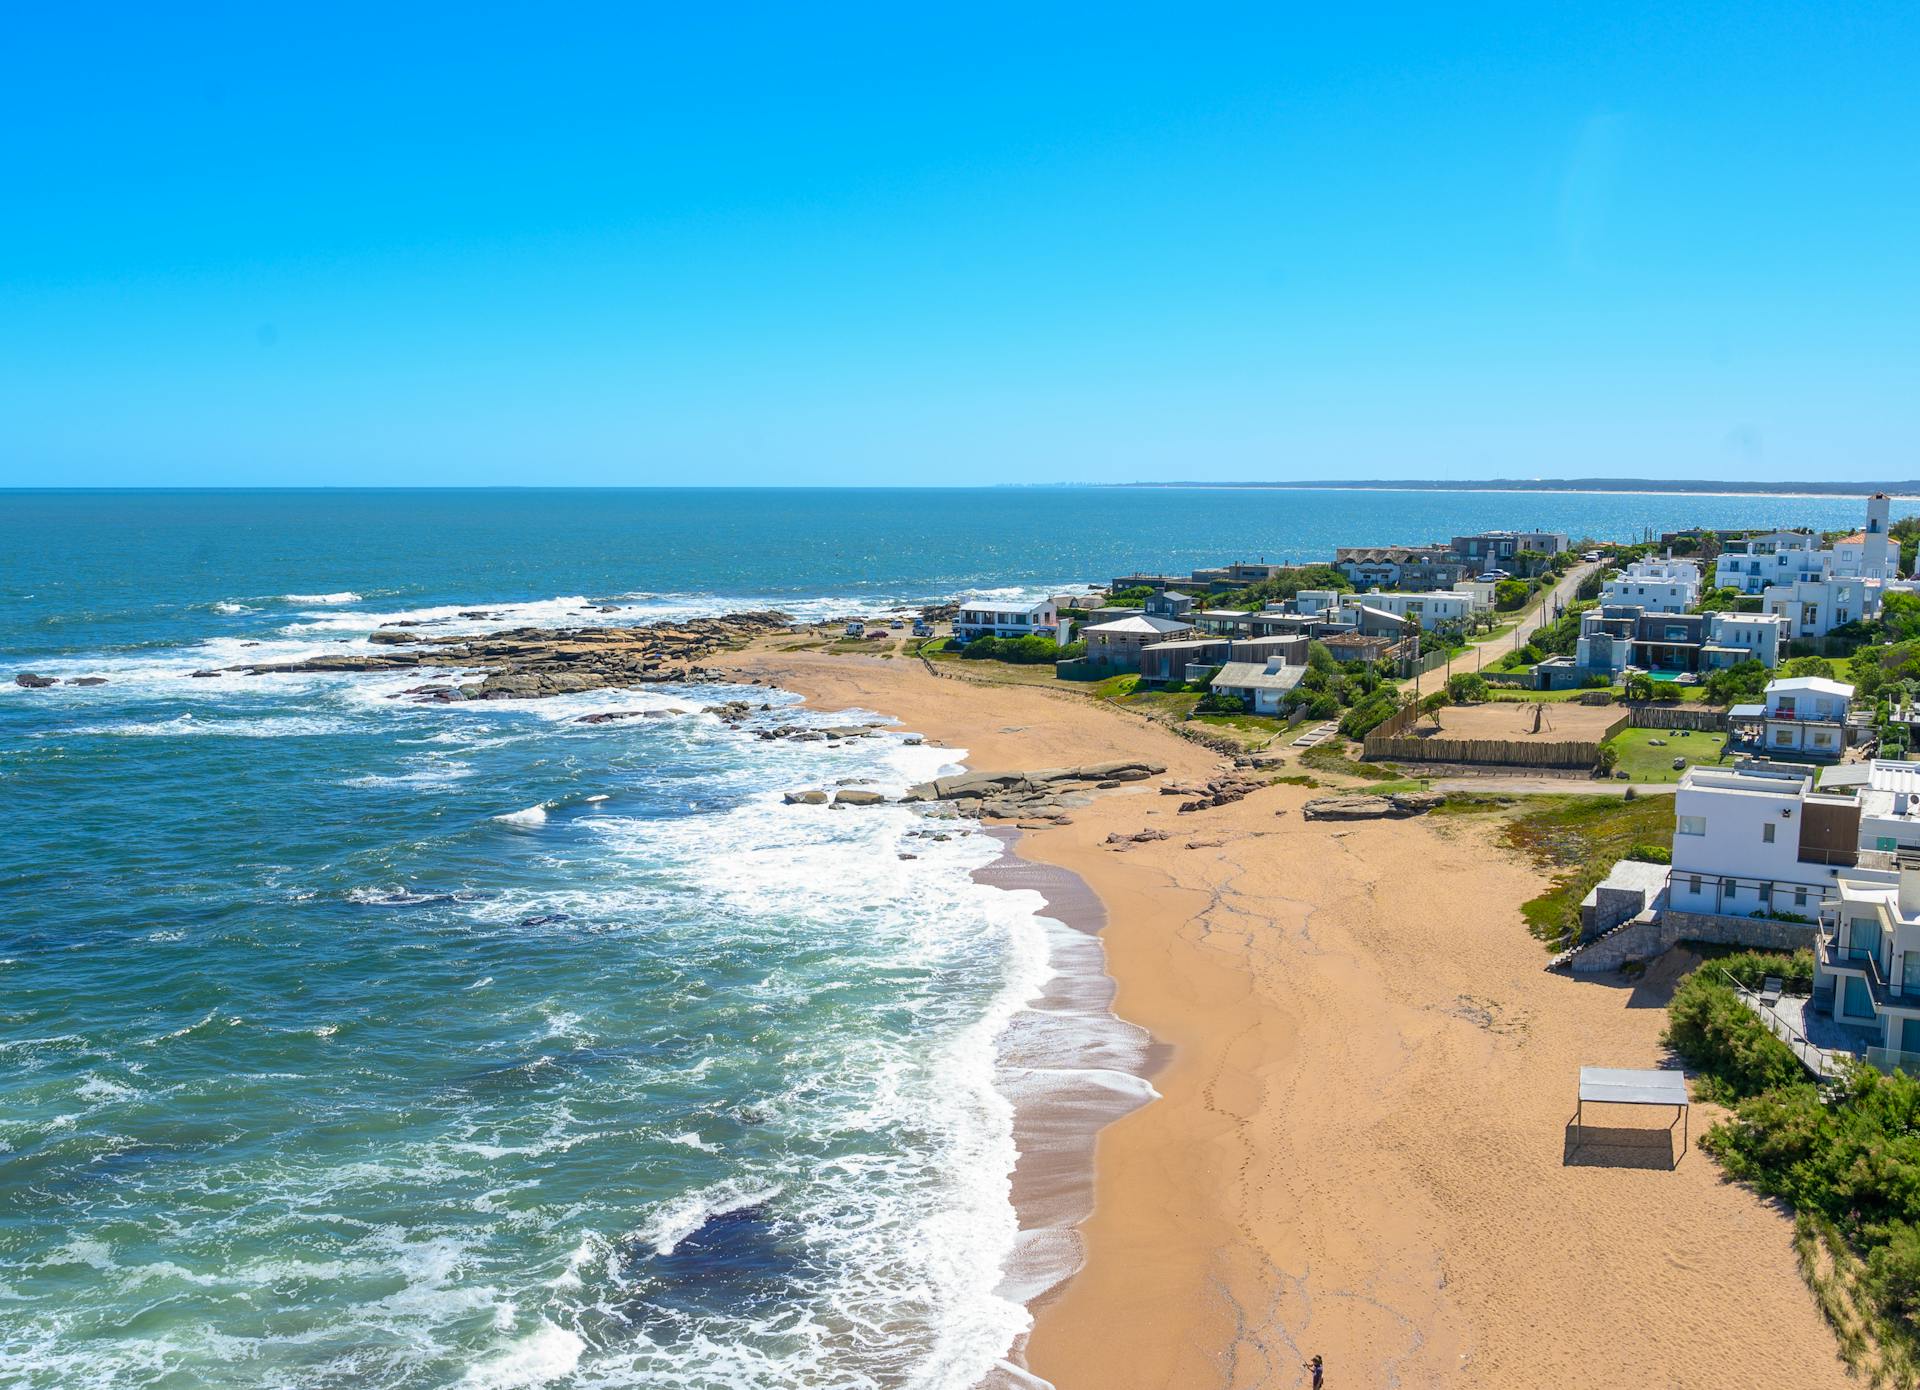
x: 1867, y: 970
x: 1315, y: 602
x: 1262, y: 684
x: 1808, y: 714
x: 1659, y: 586
x: 1480, y: 591
x: 1779, y: 557
x: 1757, y: 838
x: 1736, y: 637
x: 1815, y: 607
x: 1000, y: 617
x: 1889, y: 804
x: 1430, y: 609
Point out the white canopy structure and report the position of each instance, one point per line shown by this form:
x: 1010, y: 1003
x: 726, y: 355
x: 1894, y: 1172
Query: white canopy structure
x: 1618, y: 1086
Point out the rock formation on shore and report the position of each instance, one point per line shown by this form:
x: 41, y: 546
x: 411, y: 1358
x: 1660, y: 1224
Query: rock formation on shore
x: 1393, y: 807
x: 1044, y: 795
x: 528, y: 663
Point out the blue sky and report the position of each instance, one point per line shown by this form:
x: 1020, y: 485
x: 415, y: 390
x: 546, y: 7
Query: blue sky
x: 823, y: 244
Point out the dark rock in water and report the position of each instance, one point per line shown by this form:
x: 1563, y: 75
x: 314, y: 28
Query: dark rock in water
x: 88, y: 680
x: 609, y: 608
x: 206, y: 675
x: 33, y: 682
x: 545, y: 919
x: 737, y: 1261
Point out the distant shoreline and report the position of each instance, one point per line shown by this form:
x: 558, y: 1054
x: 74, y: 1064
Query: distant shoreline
x: 1624, y: 487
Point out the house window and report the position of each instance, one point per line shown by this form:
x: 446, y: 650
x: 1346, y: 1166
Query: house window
x: 1693, y: 884
x: 1766, y: 833
x: 1766, y: 895
x: 1799, y: 897
x: 1730, y: 888
x: 1691, y: 825
x: 1783, y: 738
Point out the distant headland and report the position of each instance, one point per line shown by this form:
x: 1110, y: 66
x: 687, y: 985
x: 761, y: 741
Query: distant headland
x: 1824, y: 488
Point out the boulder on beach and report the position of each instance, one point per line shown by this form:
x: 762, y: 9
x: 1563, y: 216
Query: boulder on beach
x: 857, y: 796
x: 813, y: 797
x: 1394, y: 807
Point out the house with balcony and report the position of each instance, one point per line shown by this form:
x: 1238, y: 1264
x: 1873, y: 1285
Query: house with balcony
x: 1659, y: 586
x: 1778, y: 557
x: 1736, y: 637
x: 1170, y: 603
x: 999, y: 617
x: 1867, y: 965
x: 1865, y: 554
x: 1118, y: 643
x: 1759, y: 839
x: 1814, y: 607
x: 1807, y: 715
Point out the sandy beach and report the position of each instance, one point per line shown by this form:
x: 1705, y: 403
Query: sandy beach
x: 1361, y: 1147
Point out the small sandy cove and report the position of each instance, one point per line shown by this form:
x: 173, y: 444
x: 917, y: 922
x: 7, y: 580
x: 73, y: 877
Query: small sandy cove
x: 1361, y: 1149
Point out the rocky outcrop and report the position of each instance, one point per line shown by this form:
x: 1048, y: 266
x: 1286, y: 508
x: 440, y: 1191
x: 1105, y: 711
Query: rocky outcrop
x: 30, y: 681
x: 810, y: 797
x: 1120, y: 840
x: 1397, y: 806
x: 88, y: 680
x: 530, y: 663
x: 1041, y: 796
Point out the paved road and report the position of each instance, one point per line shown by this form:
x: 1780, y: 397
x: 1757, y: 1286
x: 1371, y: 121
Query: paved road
x: 1561, y: 595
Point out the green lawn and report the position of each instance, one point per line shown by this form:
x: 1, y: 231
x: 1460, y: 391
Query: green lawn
x: 1645, y: 761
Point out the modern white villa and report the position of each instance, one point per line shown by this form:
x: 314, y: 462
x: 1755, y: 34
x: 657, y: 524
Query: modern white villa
x: 1867, y: 967
x: 1807, y: 714
x: 1757, y: 838
x: 1659, y: 586
x: 1429, y: 609
x: 1779, y: 557
x: 999, y: 617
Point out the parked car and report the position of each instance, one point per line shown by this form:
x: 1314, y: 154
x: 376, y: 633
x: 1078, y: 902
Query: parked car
x: 922, y: 628
x: 856, y: 629
x: 896, y: 624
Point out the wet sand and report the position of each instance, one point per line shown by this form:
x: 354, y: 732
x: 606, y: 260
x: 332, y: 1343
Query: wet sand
x: 1361, y: 1144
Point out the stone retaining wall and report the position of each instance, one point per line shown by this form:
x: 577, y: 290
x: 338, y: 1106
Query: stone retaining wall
x: 1647, y: 937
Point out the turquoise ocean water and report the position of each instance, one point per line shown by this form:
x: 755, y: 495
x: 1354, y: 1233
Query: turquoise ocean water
x: 351, y: 1042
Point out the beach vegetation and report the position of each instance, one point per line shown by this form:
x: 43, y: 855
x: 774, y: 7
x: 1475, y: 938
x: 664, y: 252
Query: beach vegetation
x: 1129, y: 598
x: 1847, y: 1161
x: 1467, y: 688
x: 1650, y: 854
x: 1577, y: 840
x: 1510, y: 594
x: 1288, y: 583
x: 1031, y: 650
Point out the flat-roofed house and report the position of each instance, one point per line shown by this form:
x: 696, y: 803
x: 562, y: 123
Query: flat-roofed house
x: 1182, y: 659
x: 1756, y: 838
x: 1808, y: 714
x: 1001, y: 617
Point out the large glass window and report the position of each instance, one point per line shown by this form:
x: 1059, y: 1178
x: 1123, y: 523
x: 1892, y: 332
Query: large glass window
x: 1691, y: 825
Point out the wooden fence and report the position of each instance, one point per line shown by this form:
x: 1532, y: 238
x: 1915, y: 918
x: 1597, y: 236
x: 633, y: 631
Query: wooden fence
x: 1388, y: 744
x: 1677, y: 717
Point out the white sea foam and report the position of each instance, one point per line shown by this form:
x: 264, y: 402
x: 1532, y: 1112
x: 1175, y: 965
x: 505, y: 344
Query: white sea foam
x: 231, y: 607
x: 539, y: 1358
x: 343, y: 596
x: 674, y: 1221
x: 532, y: 815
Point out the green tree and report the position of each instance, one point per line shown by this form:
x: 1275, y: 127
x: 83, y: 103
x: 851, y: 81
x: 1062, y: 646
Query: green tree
x: 1467, y: 688
x: 1321, y: 660
x: 1808, y: 666
x: 1900, y: 615
x: 1734, y: 685
x: 1509, y: 594
x: 1639, y: 686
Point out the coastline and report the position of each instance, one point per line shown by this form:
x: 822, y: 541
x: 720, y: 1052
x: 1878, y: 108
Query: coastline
x: 1358, y: 1145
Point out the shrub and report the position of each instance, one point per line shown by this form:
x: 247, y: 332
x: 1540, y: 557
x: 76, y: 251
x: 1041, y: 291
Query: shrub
x: 1467, y: 688
x: 1032, y: 650
x: 1375, y: 710
x: 1219, y: 702
x: 1129, y: 598
x: 1743, y: 683
x: 1596, y: 683
x: 1639, y: 686
x: 1723, y: 1038
x: 1509, y: 594
x: 1752, y: 968
x: 1651, y: 854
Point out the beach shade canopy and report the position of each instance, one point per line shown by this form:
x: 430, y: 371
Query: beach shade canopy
x: 1619, y: 1086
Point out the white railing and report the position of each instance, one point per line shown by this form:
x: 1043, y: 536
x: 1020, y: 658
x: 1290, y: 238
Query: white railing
x: 1815, y: 1059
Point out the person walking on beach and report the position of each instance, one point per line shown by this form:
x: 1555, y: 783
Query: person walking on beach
x: 1319, y: 1373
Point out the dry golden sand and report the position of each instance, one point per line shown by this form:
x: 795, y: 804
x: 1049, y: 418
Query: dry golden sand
x: 1361, y: 1146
